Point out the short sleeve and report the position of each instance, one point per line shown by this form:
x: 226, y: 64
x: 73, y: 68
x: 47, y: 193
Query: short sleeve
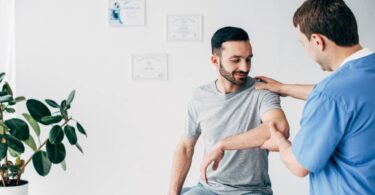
x: 323, y: 125
x: 192, y: 126
x: 268, y: 101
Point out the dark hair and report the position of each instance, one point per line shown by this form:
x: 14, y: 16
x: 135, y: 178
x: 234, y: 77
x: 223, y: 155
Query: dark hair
x: 331, y: 18
x: 225, y: 34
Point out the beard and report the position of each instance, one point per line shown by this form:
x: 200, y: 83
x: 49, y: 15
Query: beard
x: 229, y: 76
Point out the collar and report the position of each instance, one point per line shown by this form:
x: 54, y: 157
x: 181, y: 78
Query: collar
x: 359, y: 54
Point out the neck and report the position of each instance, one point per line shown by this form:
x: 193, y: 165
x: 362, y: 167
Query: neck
x: 225, y: 87
x: 342, y: 53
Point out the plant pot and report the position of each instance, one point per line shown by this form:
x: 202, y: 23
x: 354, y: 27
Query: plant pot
x: 13, y: 189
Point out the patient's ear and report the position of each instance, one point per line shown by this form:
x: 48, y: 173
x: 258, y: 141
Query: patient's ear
x: 215, y: 60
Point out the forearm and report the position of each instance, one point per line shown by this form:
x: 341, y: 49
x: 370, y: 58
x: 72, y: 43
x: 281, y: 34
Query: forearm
x: 180, y: 168
x: 296, y: 91
x: 254, y: 138
x: 250, y: 139
x: 288, y: 158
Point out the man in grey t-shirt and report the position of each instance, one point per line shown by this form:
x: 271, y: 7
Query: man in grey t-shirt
x: 221, y: 111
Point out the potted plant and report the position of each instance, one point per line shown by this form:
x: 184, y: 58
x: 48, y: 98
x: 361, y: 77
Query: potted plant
x: 15, y: 134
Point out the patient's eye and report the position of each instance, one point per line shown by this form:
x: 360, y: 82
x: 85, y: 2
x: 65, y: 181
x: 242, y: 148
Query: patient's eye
x: 235, y: 60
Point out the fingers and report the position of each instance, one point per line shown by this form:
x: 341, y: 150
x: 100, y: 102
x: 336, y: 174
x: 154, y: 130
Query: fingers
x: 272, y: 127
x: 260, y: 77
x: 216, y: 164
x: 204, y: 170
x: 259, y: 86
x: 275, y: 132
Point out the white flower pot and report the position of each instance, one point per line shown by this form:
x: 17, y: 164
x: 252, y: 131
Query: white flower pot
x: 15, y: 190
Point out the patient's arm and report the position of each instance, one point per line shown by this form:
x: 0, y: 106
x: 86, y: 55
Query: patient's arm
x: 292, y: 90
x: 251, y: 139
x: 258, y: 136
x: 181, y: 164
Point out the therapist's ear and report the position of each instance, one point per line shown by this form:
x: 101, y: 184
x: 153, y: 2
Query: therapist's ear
x: 318, y: 41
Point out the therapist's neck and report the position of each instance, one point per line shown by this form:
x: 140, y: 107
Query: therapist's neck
x: 339, y: 54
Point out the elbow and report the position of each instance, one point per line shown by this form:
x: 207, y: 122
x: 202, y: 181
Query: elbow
x: 283, y: 127
x: 300, y: 172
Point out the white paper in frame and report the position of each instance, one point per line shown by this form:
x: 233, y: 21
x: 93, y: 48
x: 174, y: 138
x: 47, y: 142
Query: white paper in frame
x: 184, y: 27
x: 149, y: 67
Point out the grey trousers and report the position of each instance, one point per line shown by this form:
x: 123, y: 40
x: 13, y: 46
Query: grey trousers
x: 200, y: 190
x: 196, y: 190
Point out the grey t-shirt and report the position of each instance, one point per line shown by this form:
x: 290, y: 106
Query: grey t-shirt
x: 214, y: 116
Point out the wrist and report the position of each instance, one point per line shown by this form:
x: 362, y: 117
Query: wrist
x: 220, y: 145
x: 283, y: 89
x: 283, y: 144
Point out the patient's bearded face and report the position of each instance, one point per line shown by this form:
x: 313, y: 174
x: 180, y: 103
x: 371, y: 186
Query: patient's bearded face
x: 235, y: 61
x: 230, y: 76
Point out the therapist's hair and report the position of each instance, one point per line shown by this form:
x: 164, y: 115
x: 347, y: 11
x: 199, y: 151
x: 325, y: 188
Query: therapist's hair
x: 225, y: 34
x: 331, y: 18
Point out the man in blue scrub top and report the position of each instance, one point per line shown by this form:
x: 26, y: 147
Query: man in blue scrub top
x: 336, y: 142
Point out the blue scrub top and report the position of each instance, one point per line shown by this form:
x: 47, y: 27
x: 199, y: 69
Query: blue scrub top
x: 336, y: 142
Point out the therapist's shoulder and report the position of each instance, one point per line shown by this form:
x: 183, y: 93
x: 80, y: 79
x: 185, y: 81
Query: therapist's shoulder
x: 337, y: 85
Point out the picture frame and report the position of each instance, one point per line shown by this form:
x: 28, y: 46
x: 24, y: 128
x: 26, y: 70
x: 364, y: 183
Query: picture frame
x: 182, y: 27
x: 127, y: 12
x: 150, y: 67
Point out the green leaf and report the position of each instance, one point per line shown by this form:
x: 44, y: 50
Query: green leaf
x: 70, y: 97
x: 56, y: 152
x: 12, y: 103
x: 31, y: 143
x: 13, y: 168
x: 2, y: 76
x: 7, y: 89
x: 10, y: 110
x: 13, y: 153
x: 3, y: 148
x: 70, y: 133
x: 41, y: 163
x: 14, y: 143
x: 79, y: 148
x: 81, y: 129
x: 52, y: 119
x: 64, y: 113
x: 18, y: 128
x: 63, y: 104
x: 56, y: 135
x: 6, y: 98
x: 63, y: 165
x: 37, y: 110
x: 19, y: 99
x: 33, y: 123
x: 52, y: 103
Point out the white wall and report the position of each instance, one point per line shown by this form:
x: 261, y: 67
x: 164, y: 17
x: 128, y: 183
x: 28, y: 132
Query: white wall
x: 134, y: 127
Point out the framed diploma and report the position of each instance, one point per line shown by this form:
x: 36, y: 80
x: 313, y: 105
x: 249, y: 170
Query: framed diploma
x: 127, y: 12
x: 149, y: 67
x: 184, y: 27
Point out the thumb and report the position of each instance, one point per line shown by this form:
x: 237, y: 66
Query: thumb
x: 272, y: 127
x: 260, y: 86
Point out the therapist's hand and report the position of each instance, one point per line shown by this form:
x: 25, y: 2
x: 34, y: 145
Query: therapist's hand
x: 277, y: 139
x: 270, y: 85
x: 270, y: 145
x: 215, y: 156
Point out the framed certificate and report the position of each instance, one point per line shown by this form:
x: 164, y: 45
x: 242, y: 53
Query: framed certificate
x: 184, y: 27
x: 127, y: 12
x: 149, y: 67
